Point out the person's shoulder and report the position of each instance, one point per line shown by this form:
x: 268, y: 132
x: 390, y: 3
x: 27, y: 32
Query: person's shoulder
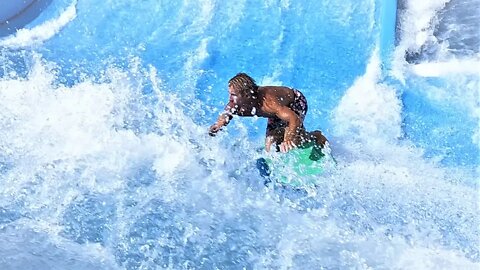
x: 275, y: 90
x: 278, y: 91
x: 275, y: 87
x: 277, y: 94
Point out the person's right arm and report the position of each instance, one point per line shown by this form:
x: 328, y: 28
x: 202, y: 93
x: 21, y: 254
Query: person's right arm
x: 223, y: 119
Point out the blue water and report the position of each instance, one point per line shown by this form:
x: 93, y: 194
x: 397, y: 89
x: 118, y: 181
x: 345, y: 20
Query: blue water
x: 106, y: 163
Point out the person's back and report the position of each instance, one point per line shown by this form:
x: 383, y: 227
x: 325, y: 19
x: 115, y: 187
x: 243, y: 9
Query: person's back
x: 273, y: 96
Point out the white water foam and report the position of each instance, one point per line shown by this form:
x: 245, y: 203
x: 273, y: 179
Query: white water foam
x: 375, y: 165
x: 369, y: 109
x: 20, y: 249
x: 443, y: 69
x: 37, y: 35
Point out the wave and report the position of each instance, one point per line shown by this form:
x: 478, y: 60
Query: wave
x: 37, y: 35
x: 80, y: 159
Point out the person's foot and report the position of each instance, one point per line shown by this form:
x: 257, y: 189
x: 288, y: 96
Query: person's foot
x: 319, y: 138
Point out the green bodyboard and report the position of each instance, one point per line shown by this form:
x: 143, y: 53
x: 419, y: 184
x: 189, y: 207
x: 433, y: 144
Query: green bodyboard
x: 297, y: 168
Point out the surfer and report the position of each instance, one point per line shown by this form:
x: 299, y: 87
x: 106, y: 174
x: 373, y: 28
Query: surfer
x: 284, y: 107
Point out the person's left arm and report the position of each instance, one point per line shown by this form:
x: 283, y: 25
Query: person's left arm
x: 292, y: 130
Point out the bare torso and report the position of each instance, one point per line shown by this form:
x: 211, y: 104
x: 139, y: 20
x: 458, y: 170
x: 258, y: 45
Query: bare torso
x: 269, y: 99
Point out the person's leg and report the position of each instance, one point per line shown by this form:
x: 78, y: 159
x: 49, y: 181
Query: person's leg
x: 274, y: 133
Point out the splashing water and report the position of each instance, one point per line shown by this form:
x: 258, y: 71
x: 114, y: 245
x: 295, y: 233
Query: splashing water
x: 106, y: 163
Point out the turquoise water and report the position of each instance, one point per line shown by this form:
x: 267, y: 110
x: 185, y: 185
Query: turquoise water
x: 106, y: 162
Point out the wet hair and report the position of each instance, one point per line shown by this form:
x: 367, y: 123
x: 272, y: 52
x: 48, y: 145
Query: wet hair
x: 244, y: 84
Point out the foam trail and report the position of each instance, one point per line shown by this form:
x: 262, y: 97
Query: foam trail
x: 39, y: 34
x: 415, y: 33
x: 369, y: 109
x: 442, y: 69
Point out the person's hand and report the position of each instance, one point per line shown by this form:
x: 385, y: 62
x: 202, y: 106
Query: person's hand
x: 268, y: 143
x: 287, y: 146
x: 214, y: 129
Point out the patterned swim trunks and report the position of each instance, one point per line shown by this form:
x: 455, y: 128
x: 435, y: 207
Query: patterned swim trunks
x: 299, y: 106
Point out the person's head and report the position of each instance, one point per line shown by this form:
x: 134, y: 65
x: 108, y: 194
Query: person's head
x: 242, y: 86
